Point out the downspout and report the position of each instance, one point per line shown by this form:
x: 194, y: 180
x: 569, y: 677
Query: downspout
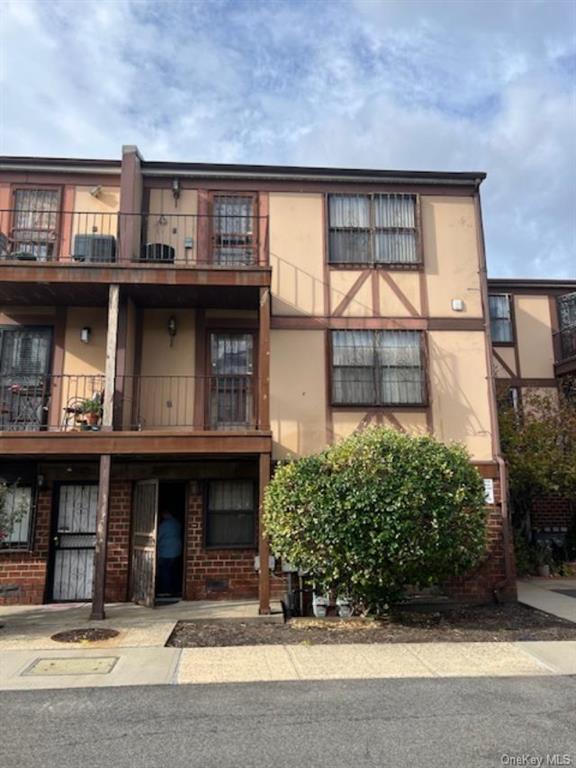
x: 502, y: 472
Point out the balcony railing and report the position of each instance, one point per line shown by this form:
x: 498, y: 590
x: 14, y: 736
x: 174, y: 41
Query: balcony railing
x: 179, y: 240
x: 565, y: 344
x: 32, y: 403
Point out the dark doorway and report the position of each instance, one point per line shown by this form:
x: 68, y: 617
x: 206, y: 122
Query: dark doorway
x: 170, y: 541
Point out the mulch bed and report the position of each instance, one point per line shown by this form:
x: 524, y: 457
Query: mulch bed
x: 88, y: 635
x: 488, y: 623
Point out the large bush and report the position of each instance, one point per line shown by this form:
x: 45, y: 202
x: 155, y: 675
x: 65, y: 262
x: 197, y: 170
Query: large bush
x: 377, y: 512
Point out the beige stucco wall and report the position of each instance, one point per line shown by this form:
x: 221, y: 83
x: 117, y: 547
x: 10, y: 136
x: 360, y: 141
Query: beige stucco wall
x: 96, y: 214
x: 341, y: 283
x: 509, y: 357
x: 460, y: 390
x: 179, y: 227
x: 297, y: 392
x: 167, y: 388
x: 534, y: 336
x: 297, y: 253
x: 408, y: 284
x: 347, y: 422
x: 84, y: 364
x: 451, y: 257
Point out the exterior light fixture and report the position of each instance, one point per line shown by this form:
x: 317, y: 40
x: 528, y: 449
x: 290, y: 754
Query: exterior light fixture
x: 85, y: 334
x: 172, y: 329
x: 457, y: 305
x: 175, y: 189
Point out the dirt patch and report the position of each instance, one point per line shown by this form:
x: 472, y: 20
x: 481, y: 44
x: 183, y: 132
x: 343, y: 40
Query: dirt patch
x: 88, y: 635
x: 504, y: 623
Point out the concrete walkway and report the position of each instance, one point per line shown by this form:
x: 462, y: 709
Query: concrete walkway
x: 94, y: 668
x: 555, y: 596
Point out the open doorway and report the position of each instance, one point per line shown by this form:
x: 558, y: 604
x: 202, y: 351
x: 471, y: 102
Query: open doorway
x: 170, y: 541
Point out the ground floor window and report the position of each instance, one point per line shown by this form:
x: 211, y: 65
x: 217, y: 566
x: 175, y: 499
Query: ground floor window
x: 231, y: 514
x: 17, y: 505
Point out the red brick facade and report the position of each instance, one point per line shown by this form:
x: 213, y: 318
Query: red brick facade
x: 118, y: 557
x: 551, y: 514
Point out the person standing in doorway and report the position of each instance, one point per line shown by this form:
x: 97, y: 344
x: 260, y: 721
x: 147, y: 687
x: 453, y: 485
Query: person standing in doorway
x: 169, y: 552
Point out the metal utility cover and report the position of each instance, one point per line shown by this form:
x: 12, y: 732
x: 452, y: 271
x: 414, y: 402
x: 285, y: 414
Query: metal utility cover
x: 82, y: 666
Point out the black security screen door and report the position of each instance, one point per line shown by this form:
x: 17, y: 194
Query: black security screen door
x: 231, y: 380
x: 24, y: 385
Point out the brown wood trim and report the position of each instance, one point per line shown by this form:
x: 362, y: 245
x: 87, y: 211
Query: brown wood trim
x: 59, y: 343
x: 391, y: 418
x: 264, y: 361
x: 376, y: 267
x: 25, y: 179
x: 375, y: 278
x: 263, y: 208
x: 314, y: 323
x: 514, y: 335
x: 404, y: 300
x: 456, y: 324
x: 503, y: 363
x: 200, y: 351
x: 120, y: 381
x: 545, y: 289
x: 325, y: 267
x: 517, y: 381
x: 145, y: 443
x: 263, y: 544
x: 328, y: 411
x: 19, y: 319
x: 425, y: 351
x: 351, y: 293
x: 148, y: 274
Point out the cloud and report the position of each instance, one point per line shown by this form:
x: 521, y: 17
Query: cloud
x: 403, y: 85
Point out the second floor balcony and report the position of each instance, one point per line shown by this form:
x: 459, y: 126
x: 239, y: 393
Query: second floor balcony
x: 565, y: 337
x: 220, y: 240
x: 74, y: 403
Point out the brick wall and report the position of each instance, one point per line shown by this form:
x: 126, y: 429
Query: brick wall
x: 551, y: 513
x: 118, y: 559
x: 204, y: 568
x: 27, y: 569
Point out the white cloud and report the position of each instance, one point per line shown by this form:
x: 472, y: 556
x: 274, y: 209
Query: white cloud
x: 431, y: 85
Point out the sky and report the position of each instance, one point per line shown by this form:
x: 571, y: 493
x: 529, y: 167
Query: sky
x: 458, y: 85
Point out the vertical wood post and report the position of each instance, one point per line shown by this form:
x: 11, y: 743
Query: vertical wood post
x: 110, y: 370
x: 101, y: 539
x: 264, y: 360
x: 263, y: 546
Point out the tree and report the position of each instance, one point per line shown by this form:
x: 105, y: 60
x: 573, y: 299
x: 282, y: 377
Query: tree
x: 539, y: 444
x: 377, y: 512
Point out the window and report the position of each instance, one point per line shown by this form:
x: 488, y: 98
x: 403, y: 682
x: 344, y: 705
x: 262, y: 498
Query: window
x: 234, y: 240
x: 500, y: 318
x: 372, y: 229
x: 230, y: 521
x: 34, y: 228
x: 18, y: 501
x: 377, y: 368
x: 567, y: 331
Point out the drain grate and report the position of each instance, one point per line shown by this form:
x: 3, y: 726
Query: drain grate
x: 92, y: 666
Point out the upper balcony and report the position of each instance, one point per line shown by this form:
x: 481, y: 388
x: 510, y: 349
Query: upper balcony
x: 219, y: 248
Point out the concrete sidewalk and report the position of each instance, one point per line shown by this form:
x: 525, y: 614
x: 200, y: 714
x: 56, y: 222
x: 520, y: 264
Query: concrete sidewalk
x: 29, y: 669
x: 555, y: 596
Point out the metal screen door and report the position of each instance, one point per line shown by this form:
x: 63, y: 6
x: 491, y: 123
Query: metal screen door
x: 144, y: 523
x: 231, y: 401
x: 74, y: 543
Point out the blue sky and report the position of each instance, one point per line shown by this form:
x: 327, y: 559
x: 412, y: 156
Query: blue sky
x: 458, y: 85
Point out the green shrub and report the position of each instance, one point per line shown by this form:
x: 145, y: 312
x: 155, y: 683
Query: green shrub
x: 377, y: 512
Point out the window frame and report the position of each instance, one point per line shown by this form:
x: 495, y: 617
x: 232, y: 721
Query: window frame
x: 207, y: 511
x: 425, y: 383
x: 27, y: 546
x: 410, y: 266
x: 213, y: 234
x: 511, y: 319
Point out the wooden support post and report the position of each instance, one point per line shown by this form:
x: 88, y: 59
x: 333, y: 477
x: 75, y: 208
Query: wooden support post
x: 101, y: 539
x: 264, y: 360
x: 110, y: 370
x: 263, y: 546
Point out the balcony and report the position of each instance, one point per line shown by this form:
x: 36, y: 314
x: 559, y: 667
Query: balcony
x: 565, y: 337
x: 70, y: 403
x: 214, y: 241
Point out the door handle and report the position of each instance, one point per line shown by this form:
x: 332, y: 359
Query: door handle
x: 56, y: 540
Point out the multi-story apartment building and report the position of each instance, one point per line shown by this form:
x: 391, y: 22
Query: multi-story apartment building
x: 533, y: 329
x: 170, y: 330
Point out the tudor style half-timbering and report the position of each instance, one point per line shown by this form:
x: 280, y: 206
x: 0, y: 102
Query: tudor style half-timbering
x: 169, y: 330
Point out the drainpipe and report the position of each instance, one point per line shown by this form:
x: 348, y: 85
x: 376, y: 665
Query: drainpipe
x: 502, y: 470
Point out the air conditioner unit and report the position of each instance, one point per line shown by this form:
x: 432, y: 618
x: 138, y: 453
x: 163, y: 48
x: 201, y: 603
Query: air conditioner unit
x: 95, y: 248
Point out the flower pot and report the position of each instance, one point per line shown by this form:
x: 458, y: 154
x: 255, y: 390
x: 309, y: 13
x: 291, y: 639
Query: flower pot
x: 320, y: 606
x: 544, y: 571
x: 345, y: 607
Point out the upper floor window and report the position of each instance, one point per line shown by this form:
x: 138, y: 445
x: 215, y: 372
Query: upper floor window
x: 377, y: 368
x: 500, y: 318
x: 372, y: 229
x: 234, y: 230
x: 17, y: 503
x: 35, y: 222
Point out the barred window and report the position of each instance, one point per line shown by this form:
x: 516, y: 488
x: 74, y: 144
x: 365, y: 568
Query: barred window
x: 500, y: 318
x: 372, y: 229
x: 35, y: 225
x: 377, y: 368
x: 231, y: 516
x: 17, y: 506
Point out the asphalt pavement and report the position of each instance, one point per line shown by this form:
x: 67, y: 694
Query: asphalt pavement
x: 432, y: 722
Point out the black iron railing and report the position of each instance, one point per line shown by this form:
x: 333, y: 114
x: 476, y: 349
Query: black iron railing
x: 158, y: 239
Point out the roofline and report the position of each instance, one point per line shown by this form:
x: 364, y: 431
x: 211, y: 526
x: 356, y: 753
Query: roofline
x: 532, y: 283
x: 237, y: 171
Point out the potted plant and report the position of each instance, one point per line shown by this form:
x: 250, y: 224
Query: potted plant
x: 91, y: 409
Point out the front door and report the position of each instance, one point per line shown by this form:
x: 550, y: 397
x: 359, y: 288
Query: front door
x: 144, y: 525
x: 231, y: 399
x: 74, y: 543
